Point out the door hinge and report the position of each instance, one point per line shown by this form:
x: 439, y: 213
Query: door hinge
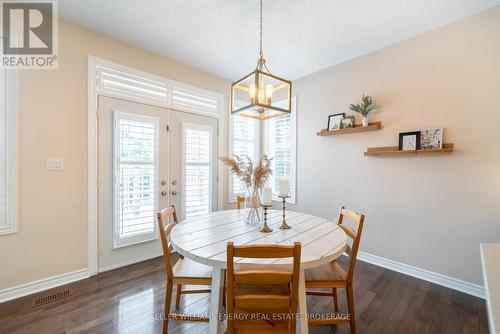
x: 167, y: 127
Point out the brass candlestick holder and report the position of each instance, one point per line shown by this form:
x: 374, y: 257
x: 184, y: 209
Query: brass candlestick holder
x: 266, y: 228
x: 284, y: 225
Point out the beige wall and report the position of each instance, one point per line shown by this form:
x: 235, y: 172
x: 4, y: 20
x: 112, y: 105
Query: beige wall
x: 52, y: 236
x: 430, y: 212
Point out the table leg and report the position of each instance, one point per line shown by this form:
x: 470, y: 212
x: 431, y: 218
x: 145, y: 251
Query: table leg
x: 302, y: 323
x: 215, y: 323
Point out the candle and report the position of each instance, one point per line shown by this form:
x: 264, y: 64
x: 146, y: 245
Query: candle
x: 267, y: 196
x: 284, y: 188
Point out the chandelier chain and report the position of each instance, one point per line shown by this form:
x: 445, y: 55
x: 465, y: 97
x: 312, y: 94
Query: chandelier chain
x: 261, y: 54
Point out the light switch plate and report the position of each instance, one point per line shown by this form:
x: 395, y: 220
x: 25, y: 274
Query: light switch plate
x: 55, y: 164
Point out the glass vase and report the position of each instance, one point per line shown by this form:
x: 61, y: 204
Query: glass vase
x: 252, y: 210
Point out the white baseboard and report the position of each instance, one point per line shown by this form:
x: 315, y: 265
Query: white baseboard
x: 129, y: 262
x: 43, y: 284
x: 58, y: 280
x: 426, y: 275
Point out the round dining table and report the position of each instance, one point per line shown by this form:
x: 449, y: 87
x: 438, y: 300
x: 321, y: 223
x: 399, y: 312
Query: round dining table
x: 204, y: 239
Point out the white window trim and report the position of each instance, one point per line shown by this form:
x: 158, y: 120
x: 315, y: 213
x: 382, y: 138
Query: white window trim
x: 122, y: 242
x: 212, y: 161
x: 260, y: 149
x: 257, y: 150
x: 12, y: 152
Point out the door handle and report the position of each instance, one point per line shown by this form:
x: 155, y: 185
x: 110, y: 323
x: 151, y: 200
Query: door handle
x: 163, y: 193
x: 174, y: 192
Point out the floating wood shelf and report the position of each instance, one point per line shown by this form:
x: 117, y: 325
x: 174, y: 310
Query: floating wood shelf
x: 393, y: 151
x: 357, y: 128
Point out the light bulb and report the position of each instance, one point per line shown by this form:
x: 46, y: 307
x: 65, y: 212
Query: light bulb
x: 269, y: 93
x: 262, y: 96
x: 252, y: 91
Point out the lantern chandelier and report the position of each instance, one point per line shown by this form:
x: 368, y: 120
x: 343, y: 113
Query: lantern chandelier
x: 260, y: 94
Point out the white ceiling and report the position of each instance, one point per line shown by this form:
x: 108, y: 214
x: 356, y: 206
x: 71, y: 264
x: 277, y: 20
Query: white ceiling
x: 300, y: 36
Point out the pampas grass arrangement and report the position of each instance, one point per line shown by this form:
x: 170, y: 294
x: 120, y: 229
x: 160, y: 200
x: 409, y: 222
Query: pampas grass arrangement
x: 254, y: 176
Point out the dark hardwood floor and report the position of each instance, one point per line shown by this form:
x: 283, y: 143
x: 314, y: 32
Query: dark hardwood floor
x: 126, y: 301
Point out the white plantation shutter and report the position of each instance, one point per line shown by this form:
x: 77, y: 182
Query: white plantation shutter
x: 136, y: 177
x: 245, y: 133
x: 134, y: 87
x: 191, y: 100
x: 279, y: 144
x: 8, y: 151
x: 197, y: 170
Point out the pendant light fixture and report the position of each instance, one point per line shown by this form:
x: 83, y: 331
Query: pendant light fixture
x: 260, y: 94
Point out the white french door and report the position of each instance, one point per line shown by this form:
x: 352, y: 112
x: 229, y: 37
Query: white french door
x: 133, y: 180
x: 143, y: 168
x: 194, y: 164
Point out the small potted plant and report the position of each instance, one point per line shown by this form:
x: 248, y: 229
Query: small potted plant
x: 364, y: 108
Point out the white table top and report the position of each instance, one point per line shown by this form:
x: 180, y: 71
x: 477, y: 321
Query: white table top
x: 490, y: 254
x: 204, y: 239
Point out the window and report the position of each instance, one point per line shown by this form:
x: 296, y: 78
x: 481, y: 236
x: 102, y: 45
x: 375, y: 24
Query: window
x: 194, y: 101
x: 278, y: 142
x: 245, y: 133
x: 8, y: 152
x: 136, y: 177
x: 197, y: 170
x: 131, y: 86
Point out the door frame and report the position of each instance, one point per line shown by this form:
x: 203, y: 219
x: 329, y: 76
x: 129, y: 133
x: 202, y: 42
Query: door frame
x: 92, y: 142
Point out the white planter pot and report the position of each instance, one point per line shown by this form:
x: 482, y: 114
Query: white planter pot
x: 365, y: 121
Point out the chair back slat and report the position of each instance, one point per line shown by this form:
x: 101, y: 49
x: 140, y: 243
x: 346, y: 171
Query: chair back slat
x: 163, y: 217
x: 354, y: 234
x: 259, y: 300
x: 264, y: 251
x: 349, y: 231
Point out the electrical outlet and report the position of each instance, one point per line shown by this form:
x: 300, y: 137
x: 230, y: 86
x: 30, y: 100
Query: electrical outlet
x: 55, y: 164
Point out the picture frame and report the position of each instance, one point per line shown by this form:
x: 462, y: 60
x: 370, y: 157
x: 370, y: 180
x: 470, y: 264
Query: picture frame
x: 347, y: 122
x: 409, y: 141
x: 334, y: 121
x: 431, y: 138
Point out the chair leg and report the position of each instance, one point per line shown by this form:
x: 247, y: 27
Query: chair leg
x: 178, y: 296
x: 224, y: 293
x: 168, y: 300
x: 350, y: 305
x: 335, y: 299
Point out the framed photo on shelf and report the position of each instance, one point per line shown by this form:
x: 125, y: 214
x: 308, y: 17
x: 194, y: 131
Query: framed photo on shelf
x: 431, y: 138
x: 335, y: 121
x: 409, y: 141
x: 347, y: 122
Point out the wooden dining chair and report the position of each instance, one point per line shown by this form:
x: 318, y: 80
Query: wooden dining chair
x: 183, y: 272
x: 242, y: 199
x: 333, y: 276
x: 262, y: 299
